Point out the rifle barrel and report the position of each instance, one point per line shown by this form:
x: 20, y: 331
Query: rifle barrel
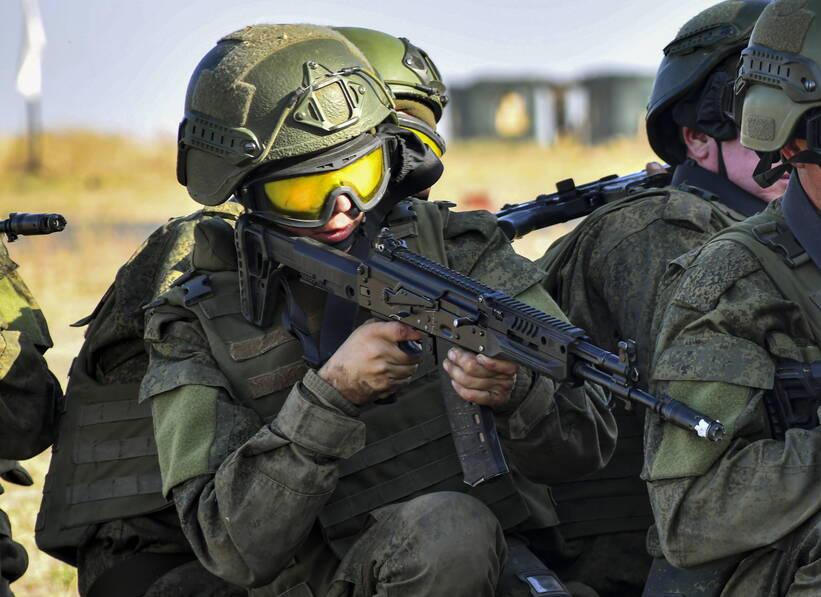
x: 24, y: 224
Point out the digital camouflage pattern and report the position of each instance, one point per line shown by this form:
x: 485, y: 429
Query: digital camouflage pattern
x: 603, y: 274
x: 249, y: 487
x: 28, y: 398
x: 28, y: 391
x: 117, y: 358
x: 162, y: 258
x: 748, y: 500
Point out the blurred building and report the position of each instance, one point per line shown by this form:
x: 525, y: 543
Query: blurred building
x: 593, y: 109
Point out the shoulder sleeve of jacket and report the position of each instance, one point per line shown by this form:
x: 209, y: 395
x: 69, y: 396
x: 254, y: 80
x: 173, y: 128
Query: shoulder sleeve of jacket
x: 476, y: 246
x: 711, y: 353
x: 712, y: 328
x: 179, y: 352
x: 19, y: 311
x: 598, y: 234
x: 689, y: 210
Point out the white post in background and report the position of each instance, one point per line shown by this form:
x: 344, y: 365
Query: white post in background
x: 30, y: 78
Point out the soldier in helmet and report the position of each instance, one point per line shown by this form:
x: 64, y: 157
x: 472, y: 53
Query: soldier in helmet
x: 29, y: 397
x: 285, y: 477
x: 124, y: 533
x: 741, y: 340
x: 604, y: 273
x: 412, y: 77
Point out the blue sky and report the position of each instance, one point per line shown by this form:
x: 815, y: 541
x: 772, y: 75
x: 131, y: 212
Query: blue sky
x: 123, y: 65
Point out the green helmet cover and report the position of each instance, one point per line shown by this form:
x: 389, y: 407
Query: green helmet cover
x: 780, y: 76
x: 271, y: 92
x: 701, y: 45
x: 407, y: 70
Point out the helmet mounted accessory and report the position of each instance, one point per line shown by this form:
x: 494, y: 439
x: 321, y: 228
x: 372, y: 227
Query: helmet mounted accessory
x: 778, y: 89
x: 430, y: 79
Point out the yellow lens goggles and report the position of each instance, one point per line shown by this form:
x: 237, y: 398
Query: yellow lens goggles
x: 426, y: 134
x: 304, y: 195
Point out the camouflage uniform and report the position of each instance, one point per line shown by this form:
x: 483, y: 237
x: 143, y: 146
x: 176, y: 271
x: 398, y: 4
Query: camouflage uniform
x: 603, y: 275
x: 28, y: 397
x: 269, y: 476
x: 752, y: 501
x: 91, y: 532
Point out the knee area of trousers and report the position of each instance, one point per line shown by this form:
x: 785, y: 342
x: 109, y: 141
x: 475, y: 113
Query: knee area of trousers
x: 452, y: 521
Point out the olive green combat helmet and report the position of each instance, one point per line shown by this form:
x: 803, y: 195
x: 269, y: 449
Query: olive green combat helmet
x: 271, y: 92
x: 408, y: 71
x: 708, y: 42
x: 780, y: 78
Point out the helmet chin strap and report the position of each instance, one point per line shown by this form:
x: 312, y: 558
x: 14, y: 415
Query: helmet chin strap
x: 722, y: 168
x: 765, y: 175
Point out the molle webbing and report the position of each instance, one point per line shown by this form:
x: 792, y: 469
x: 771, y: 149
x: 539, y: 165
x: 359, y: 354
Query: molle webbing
x: 410, y: 451
x: 104, y: 466
x: 785, y: 262
x: 390, y: 447
x: 614, y: 499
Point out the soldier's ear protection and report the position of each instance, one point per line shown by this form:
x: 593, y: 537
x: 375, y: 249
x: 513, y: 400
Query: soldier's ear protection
x: 707, y: 109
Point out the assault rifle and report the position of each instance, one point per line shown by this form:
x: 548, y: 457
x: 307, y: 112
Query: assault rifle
x: 570, y: 202
x: 28, y: 224
x: 394, y: 283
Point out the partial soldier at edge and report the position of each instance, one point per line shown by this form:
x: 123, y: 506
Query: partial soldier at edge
x: 29, y: 399
x: 741, y: 340
x: 604, y: 273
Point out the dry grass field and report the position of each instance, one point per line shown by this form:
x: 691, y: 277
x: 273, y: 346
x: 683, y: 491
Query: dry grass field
x: 114, y: 191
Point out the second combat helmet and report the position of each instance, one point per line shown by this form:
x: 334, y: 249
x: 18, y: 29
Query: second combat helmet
x: 691, y: 81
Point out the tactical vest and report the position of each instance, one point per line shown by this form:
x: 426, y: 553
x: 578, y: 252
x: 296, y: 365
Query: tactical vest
x: 614, y: 499
x: 409, y: 449
x: 104, y: 463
